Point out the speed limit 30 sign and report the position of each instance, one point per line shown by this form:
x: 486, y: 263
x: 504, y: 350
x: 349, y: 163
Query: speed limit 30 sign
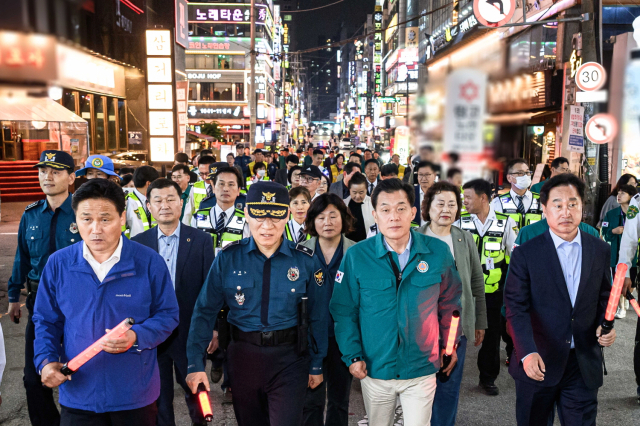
x: 591, y: 76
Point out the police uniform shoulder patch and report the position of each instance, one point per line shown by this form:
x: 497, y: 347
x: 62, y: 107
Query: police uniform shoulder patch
x: 319, y: 276
x: 632, y: 212
x: 32, y: 205
x: 232, y: 243
x: 305, y: 250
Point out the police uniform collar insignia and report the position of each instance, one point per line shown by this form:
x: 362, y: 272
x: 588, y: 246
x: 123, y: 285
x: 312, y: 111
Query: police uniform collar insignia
x: 32, y: 205
x: 73, y: 228
x: 51, y: 156
x: 293, y: 274
x: 423, y: 266
x: 319, y: 276
x: 304, y: 249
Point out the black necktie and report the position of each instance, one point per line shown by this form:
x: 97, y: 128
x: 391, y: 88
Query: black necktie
x: 221, y: 222
x: 301, y: 235
x: 209, y: 191
x: 370, y: 189
x: 520, y: 205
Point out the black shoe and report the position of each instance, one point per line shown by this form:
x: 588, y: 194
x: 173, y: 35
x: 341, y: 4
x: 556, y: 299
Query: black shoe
x: 216, y: 374
x: 227, y: 397
x: 489, y: 388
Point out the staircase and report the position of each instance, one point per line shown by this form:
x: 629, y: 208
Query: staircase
x: 19, y: 181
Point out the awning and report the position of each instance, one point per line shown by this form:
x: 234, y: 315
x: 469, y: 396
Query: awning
x: 200, y: 135
x: 516, y: 118
x: 35, y: 109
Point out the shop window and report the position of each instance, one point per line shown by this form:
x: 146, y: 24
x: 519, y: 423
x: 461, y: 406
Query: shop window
x: 99, y: 117
x: 193, y: 91
x: 122, y: 123
x: 112, y: 133
x: 206, y: 91
x: 239, y: 92
x: 190, y: 61
x: 238, y: 62
x: 224, y: 92
x: 204, y: 62
x: 223, y: 62
x: 69, y: 100
x: 85, y: 112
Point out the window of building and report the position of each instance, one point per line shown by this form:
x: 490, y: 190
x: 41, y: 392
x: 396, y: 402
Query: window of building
x: 223, y: 92
x: 239, y: 92
x: 69, y: 100
x: 112, y: 132
x: 190, y: 61
x: 193, y: 91
x: 99, y: 117
x: 122, y: 123
x: 85, y: 111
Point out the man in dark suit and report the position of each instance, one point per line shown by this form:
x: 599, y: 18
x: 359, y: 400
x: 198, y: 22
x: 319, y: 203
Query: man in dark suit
x: 282, y: 174
x: 556, y: 295
x: 188, y: 254
x: 341, y: 187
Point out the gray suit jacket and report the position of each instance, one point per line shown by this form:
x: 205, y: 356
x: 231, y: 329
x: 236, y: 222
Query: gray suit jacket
x: 474, y: 308
x: 336, y: 188
x: 282, y: 177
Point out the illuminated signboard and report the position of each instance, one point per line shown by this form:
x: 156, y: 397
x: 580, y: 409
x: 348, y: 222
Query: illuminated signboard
x: 203, y: 76
x: 226, y: 13
x: 160, y: 96
x: 377, y: 51
x: 197, y: 45
x: 216, y: 111
x: 453, y: 34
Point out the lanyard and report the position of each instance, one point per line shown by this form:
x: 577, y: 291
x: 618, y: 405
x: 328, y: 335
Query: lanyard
x: 396, y: 270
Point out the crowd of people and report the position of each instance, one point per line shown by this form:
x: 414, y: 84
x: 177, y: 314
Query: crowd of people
x: 295, y: 272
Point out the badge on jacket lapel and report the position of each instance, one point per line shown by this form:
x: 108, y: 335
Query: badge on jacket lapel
x: 423, y: 266
x: 319, y: 276
x: 293, y: 274
x: 73, y: 228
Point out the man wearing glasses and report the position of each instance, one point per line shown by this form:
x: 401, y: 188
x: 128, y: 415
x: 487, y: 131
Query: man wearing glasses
x: 264, y: 280
x: 559, y: 166
x: 425, y: 171
x: 310, y: 178
x: 519, y: 203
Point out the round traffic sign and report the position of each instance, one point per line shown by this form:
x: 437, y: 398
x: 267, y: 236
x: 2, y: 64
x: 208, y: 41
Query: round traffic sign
x: 494, y: 13
x: 602, y: 128
x: 591, y: 76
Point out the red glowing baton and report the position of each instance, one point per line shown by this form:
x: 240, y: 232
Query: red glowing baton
x: 633, y: 302
x: 448, y: 351
x: 614, y: 298
x: 205, y: 405
x: 118, y: 331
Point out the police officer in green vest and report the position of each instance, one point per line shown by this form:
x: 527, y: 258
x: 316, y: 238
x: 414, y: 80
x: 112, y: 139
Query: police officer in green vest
x: 494, y: 234
x: 225, y: 221
x: 202, y: 188
x: 139, y: 218
x: 519, y: 203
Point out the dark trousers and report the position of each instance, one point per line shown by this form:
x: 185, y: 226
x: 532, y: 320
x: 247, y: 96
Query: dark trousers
x: 489, y: 354
x: 145, y: 416
x: 636, y: 355
x: 166, y: 417
x: 335, y: 388
x: 505, y: 336
x: 40, y: 402
x: 445, y: 403
x: 269, y: 384
x: 577, y: 405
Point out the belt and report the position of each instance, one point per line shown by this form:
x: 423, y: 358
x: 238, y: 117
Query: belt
x: 265, y: 338
x: 32, y: 286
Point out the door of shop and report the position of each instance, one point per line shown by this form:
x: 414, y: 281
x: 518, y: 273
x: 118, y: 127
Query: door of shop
x: 11, y: 146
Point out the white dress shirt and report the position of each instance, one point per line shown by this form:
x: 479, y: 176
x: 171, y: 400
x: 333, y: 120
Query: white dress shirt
x: 527, y: 200
x: 102, y: 269
x: 295, y: 228
x: 510, y: 230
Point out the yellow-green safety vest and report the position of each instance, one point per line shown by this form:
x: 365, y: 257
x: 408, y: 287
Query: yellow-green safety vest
x: 199, y: 193
x: 250, y: 181
x: 141, y: 212
x: 288, y: 234
x: 490, y: 246
x: 232, y: 231
x: 533, y: 215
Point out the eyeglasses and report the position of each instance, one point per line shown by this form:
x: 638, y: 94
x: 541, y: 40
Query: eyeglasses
x: 264, y: 219
x: 308, y: 180
x: 425, y: 175
x: 520, y: 174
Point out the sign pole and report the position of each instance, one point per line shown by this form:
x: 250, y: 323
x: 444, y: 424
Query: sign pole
x: 252, y: 79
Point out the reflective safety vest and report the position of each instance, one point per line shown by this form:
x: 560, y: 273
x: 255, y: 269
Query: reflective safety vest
x: 463, y: 209
x: 141, y: 212
x: 401, y: 170
x: 199, y: 193
x: 533, y: 215
x: 335, y: 172
x: 493, y: 255
x: 250, y: 181
x: 232, y: 231
x: 288, y: 234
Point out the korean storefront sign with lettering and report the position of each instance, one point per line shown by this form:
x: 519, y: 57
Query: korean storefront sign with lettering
x: 227, y: 13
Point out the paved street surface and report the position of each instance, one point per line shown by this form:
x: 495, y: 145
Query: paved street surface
x: 616, y: 398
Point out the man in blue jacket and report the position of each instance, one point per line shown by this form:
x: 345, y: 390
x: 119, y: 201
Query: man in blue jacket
x: 90, y: 287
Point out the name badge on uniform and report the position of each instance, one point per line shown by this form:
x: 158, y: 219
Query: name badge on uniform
x: 490, y: 265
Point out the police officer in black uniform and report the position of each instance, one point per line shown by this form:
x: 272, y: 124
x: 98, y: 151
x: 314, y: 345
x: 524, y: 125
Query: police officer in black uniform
x: 46, y: 226
x: 268, y: 284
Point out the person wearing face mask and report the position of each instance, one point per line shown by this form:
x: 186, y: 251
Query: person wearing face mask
x: 360, y: 206
x: 300, y: 200
x: 519, y: 203
x: 494, y: 235
x: 260, y: 170
x: 440, y: 209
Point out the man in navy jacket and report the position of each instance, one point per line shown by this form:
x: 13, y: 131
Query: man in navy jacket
x: 92, y: 286
x: 555, y: 312
x: 188, y: 253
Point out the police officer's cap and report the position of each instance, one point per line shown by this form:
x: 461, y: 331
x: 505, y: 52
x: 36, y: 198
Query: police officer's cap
x: 213, y: 168
x: 56, y: 159
x: 267, y: 199
x: 99, y: 162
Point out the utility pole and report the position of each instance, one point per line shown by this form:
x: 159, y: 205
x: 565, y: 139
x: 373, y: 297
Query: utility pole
x: 252, y: 79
